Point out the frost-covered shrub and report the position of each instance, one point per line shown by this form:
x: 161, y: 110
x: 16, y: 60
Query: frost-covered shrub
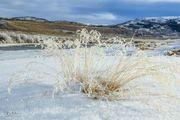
x: 101, y: 70
x: 5, y: 38
x: 104, y: 71
x: 16, y: 37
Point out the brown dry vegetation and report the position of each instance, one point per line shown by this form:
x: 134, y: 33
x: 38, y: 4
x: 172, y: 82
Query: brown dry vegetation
x: 42, y: 27
x: 54, y: 28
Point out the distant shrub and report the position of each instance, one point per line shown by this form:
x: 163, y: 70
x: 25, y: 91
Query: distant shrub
x: 15, y: 37
x: 4, y: 38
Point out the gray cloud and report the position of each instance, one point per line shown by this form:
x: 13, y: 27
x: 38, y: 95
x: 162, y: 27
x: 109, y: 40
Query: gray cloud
x: 55, y: 9
x: 86, y: 11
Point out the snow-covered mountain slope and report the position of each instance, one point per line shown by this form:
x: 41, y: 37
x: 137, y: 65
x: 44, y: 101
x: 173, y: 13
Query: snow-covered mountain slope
x: 154, y: 26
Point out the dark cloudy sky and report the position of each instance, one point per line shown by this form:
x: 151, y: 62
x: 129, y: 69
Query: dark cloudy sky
x: 90, y: 11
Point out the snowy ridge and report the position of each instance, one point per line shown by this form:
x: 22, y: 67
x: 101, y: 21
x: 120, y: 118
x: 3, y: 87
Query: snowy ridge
x: 29, y: 18
x: 160, y: 27
x: 163, y: 17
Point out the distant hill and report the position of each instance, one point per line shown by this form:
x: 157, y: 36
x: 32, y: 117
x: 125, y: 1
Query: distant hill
x: 165, y: 27
x: 154, y: 27
x: 42, y: 26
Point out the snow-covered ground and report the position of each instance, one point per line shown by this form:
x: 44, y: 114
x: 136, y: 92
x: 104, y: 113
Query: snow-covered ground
x: 33, y: 100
